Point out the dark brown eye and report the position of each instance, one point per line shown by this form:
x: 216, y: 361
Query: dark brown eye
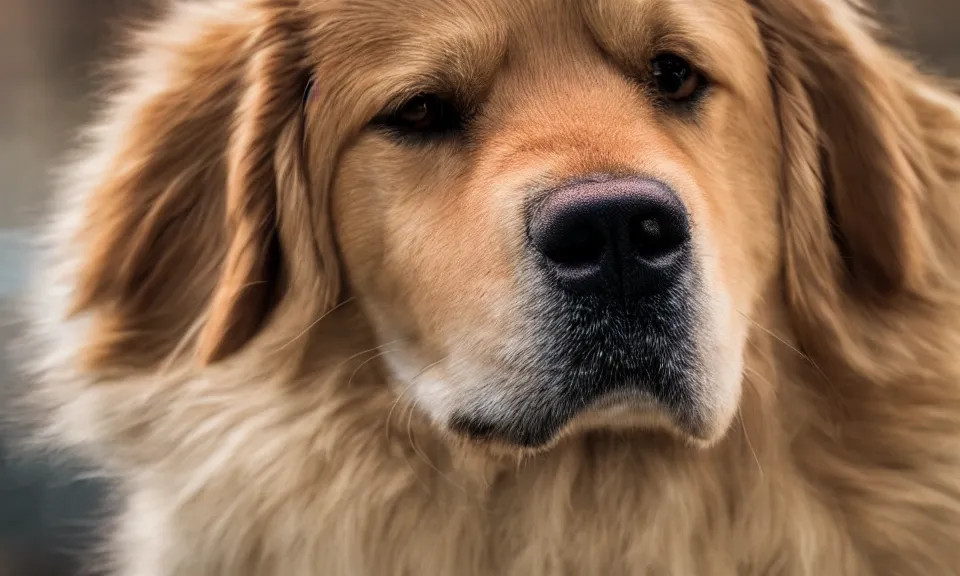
x: 420, y: 112
x: 675, y: 78
x: 424, y: 114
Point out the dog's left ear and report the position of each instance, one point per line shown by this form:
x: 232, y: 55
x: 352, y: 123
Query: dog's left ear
x: 857, y: 165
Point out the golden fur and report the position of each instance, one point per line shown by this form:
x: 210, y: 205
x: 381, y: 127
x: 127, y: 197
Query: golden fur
x: 244, y: 290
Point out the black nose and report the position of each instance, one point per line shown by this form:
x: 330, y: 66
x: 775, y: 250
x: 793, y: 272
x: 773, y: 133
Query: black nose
x: 630, y: 235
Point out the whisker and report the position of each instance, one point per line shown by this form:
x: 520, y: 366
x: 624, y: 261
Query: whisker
x: 413, y: 468
x: 410, y: 407
x: 769, y: 363
x: 393, y: 407
x: 405, y: 390
x: 785, y: 343
x: 367, y: 351
x: 778, y: 338
x: 423, y: 456
x: 746, y: 436
x: 799, y: 353
x: 379, y: 353
x: 315, y: 322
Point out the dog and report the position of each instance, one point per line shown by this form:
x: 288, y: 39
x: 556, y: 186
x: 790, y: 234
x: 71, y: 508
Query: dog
x: 529, y: 287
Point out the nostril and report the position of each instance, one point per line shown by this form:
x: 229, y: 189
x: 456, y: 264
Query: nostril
x: 654, y: 236
x: 578, y: 247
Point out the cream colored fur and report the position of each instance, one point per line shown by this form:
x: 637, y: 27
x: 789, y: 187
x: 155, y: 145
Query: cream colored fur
x: 294, y: 454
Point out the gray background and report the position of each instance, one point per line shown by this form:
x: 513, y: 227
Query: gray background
x: 46, y: 51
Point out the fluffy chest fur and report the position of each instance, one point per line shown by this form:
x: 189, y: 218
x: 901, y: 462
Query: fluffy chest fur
x: 333, y: 478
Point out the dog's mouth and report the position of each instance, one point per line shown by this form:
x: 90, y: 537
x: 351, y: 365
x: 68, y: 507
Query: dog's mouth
x: 598, y: 363
x: 542, y: 423
x: 627, y: 379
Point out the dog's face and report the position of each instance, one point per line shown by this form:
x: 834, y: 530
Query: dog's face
x: 559, y: 214
x: 553, y: 215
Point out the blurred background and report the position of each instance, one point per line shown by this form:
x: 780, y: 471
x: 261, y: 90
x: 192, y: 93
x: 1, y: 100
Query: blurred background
x: 48, y: 513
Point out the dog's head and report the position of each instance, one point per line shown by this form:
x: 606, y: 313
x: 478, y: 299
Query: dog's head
x: 551, y: 214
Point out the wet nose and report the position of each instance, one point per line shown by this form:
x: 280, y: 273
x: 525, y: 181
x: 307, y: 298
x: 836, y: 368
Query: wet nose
x: 624, y: 234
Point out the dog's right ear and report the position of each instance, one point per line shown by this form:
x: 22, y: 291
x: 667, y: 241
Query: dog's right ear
x: 195, y: 203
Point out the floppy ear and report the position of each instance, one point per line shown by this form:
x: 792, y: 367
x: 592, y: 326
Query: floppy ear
x: 857, y: 174
x: 197, y: 196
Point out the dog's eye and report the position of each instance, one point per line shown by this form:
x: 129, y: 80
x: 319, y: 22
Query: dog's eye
x: 675, y: 78
x: 424, y: 114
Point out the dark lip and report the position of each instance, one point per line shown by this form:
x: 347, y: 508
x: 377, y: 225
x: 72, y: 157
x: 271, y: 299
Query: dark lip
x: 531, y: 438
x: 541, y: 437
x: 536, y: 427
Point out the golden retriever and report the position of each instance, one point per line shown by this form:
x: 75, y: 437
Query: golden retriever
x: 525, y: 287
